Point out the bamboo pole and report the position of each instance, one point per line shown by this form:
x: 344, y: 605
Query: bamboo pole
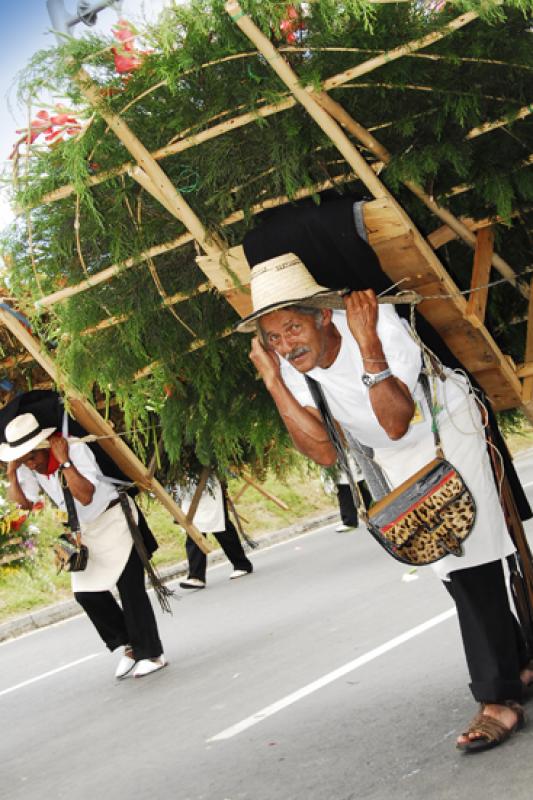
x: 499, y: 123
x: 168, y: 301
x: 390, y: 55
x: 368, y: 140
x: 153, y: 178
x: 466, y: 187
x: 178, y: 147
x: 268, y: 495
x: 408, y: 49
x: 109, y: 272
x: 341, y: 141
x: 196, y: 345
x: 160, y: 184
x: 236, y: 216
x: 91, y: 420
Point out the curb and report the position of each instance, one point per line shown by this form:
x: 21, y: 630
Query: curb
x: 58, y: 612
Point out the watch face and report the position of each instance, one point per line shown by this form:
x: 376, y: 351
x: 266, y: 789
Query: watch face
x: 368, y: 380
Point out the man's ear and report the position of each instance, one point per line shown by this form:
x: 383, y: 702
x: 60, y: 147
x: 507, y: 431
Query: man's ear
x: 327, y: 314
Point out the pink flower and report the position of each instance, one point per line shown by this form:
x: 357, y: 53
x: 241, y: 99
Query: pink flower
x: 125, y: 63
x: 291, y: 24
x: 50, y: 126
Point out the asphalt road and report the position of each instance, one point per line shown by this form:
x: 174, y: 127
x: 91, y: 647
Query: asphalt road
x: 323, y: 676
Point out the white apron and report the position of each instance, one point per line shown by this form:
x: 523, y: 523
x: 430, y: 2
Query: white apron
x: 109, y: 541
x: 465, y: 447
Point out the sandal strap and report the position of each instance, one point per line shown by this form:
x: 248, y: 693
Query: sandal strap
x: 492, y: 729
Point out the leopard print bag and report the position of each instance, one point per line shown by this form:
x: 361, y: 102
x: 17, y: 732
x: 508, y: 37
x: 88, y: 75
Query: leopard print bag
x: 426, y: 518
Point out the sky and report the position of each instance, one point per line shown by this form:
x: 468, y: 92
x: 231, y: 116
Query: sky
x: 24, y: 29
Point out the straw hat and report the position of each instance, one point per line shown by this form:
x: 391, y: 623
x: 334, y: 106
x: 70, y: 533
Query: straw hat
x: 285, y: 281
x: 23, y: 434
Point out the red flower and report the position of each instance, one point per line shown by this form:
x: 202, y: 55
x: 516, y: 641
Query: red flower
x: 127, y: 57
x: 50, y: 126
x: 15, y: 524
x: 125, y: 63
x: 291, y: 24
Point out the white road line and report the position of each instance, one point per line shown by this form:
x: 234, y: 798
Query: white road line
x: 48, y: 674
x: 268, y: 711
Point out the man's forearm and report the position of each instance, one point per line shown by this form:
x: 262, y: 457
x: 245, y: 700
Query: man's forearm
x: 306, y: 431
x: 391, y: 400
x: 81, y: 488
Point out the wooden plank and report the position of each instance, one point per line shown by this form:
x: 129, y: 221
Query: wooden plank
x: 525, y: 370
x: 477, y: 301
x: 473, y: 345
x: 382, y: 223
x: 527, y: 388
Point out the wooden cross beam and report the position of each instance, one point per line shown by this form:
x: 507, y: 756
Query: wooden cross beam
x: 477, y: 302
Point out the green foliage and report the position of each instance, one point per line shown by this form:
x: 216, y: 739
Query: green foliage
x: 202, y: 72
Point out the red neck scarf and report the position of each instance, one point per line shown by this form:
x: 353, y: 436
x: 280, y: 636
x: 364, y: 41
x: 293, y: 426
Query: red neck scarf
x: 53, y: 463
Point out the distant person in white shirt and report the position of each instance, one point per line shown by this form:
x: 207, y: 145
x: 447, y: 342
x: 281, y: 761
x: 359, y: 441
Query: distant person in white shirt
x: 211, y: 516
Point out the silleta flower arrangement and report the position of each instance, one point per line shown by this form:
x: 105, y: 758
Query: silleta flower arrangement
x: 18, y: 534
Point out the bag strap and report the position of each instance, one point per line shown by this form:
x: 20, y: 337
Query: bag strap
x: 335, y: 437
x: 426, y: 387
x: 162, y: 592
x: 73, y: 520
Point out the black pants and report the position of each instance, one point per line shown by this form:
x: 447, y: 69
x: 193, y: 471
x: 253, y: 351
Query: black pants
x: 134, y: 623
x: 229, y: 542
x: 494, y: 647
x: 347, y: 507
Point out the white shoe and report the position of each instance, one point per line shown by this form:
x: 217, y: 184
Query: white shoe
x: 192, y: 583
x: 146, y: 666
x: 239, y: 573
x: 125, y: 665
x: 342, y: 528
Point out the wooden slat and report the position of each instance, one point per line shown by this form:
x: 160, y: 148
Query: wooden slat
x: 401, y: 257
x: 527, y: 389
x: 477, y: 301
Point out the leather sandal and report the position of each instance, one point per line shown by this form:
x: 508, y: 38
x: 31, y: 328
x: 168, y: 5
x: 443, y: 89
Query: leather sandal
x: 489, y: 731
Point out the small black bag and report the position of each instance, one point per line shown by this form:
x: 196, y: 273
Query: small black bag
x: 70, y: 554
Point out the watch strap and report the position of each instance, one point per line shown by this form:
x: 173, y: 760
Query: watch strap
x: 372, y: 378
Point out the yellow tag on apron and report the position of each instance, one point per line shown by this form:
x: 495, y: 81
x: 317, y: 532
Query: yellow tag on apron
x: 418, y: 416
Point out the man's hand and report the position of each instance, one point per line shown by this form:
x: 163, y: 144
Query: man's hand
x: 362, y: 316
x: 59, y: 448
x: 265, y: 362
x: 12, y: 467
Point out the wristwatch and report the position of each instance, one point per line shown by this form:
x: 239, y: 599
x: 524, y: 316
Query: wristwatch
x: 66, y: 464
x: 370, y: 379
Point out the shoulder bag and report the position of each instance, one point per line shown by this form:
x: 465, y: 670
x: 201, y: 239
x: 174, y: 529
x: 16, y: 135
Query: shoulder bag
x: 424, y: 519
x: 70, y: 554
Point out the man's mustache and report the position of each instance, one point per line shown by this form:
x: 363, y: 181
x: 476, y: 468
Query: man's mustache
x: 297, y: 352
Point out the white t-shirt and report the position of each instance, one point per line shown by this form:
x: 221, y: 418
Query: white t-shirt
x: 349, y: 398
x: 82, y: 457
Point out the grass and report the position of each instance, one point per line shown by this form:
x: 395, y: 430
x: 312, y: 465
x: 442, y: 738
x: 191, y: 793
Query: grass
x: 22, y: 591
